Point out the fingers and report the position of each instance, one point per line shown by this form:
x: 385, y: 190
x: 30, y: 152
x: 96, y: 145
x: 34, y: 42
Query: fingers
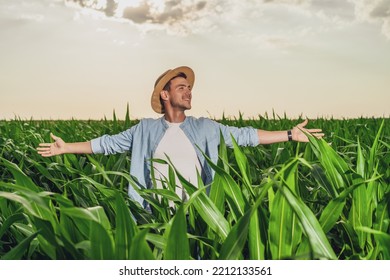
x: 45, y: 144
x: 48, y: 149
x: 55, y: 138
x: 314, y: 130
x: 44, y: 151
x: 44, y: 147
x: 317, y: 132
x: 303, y: 124
x: 300, y: 132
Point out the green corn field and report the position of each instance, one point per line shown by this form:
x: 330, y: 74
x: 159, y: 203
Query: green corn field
x: 327, y: 199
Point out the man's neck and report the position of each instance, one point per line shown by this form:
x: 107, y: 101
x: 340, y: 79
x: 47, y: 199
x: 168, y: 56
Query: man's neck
x: 175, y: 117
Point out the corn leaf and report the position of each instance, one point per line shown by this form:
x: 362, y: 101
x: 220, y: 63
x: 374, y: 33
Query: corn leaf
x: 233, y: 245
x: 335, y: 166
x: 360, y: 213
x: 317, y: 238
x: 382, y: 238
x: 125, y: 229
x: 177, y: 246
x: 375, y: 148
x: 101, y: 242
x: 20, y: 250
x: 242, y: 163
x: 360, y: 164
x: 236, y: 200
x: 280, y: 227
x: 140, y: 249
x: 331, y: 214
x: 284, y: 232
x: 205, y: 207
x: 319, y: 175
x: 9, y: 221
x: 256, y: 245
x: 20, y: 178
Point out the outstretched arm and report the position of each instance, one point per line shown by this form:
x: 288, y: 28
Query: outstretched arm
x: 298, y: 134
x: 59, y: 147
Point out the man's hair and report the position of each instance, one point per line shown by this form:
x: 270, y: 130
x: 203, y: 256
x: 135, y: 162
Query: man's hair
x: 167, y: 87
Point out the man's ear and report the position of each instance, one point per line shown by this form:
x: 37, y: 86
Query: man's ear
x: 164, y: 95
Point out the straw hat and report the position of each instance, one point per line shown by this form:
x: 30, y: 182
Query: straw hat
x: 164, y: 79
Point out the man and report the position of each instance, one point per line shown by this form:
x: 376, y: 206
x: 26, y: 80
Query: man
x: 179, y: 137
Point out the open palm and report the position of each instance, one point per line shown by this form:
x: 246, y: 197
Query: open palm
x: 298, y: 132
x: 52, y: 149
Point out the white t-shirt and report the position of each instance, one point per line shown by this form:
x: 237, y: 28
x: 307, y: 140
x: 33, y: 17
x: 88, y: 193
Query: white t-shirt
x: 181, y: 152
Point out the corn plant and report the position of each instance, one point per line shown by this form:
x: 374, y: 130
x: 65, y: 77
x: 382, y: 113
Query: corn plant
x: 327, y: 199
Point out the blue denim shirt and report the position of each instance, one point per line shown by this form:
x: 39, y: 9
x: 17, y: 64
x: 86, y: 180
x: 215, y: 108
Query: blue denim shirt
x: 142, y: 140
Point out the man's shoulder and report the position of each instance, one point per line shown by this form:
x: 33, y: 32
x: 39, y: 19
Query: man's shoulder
x: 201, y: 120
x: 149, y: 121
x: 202, y: 124
x: 146, y: 124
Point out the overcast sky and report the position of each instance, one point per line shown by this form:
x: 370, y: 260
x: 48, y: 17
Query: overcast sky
x: 85, y: 58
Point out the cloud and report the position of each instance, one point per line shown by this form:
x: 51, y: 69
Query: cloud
x: 288, y: 2
x: 139, y: 14
x: 381, y: 10
x: 374, y: 11
x: 172, y: 12
x: 271, y: 18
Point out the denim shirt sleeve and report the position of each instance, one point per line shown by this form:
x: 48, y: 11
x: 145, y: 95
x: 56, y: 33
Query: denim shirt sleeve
x: 112, y: 144
x: 244, y: 136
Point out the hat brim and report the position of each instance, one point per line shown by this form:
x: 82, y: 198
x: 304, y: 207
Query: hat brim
x: 164, y: 79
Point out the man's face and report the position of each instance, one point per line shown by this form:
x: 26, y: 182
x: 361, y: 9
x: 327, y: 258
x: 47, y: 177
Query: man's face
x: 180, y: 94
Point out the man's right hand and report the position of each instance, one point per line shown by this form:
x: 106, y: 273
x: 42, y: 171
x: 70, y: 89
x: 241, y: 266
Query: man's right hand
x: 52, y: 149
